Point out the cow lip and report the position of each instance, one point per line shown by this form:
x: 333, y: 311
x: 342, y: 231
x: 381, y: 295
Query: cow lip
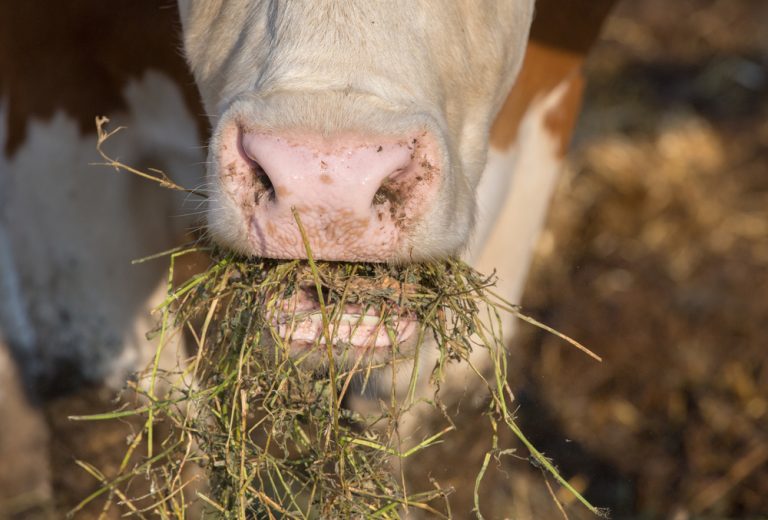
x: 300, y: 322
x: 361, y: 331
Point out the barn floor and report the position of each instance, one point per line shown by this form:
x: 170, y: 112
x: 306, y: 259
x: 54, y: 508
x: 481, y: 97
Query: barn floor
x: 656, y: 257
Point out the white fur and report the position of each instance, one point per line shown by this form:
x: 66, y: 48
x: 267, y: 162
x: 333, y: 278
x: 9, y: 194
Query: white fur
x: 508, y: 237
x: 15, y: 327
x: 73, y: 228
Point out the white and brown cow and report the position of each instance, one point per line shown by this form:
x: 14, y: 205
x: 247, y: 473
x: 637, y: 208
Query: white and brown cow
x: 401, y: 131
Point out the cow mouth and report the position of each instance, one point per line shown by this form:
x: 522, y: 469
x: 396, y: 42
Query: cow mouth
x: 304, y: 325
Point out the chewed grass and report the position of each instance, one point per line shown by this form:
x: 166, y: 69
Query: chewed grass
x: 250, y: 427
x: 269, y: 427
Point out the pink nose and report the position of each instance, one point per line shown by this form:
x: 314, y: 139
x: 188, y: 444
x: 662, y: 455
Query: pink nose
x: 359, y: 198
x: 323, y: 178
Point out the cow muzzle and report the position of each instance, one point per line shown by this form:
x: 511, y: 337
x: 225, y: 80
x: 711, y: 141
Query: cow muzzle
x: 359, y: 197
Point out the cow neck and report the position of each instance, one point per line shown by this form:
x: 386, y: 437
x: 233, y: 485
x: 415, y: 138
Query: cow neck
x: 78, y: 56
x: 562, y: 34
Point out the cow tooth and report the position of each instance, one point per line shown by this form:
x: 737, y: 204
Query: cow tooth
x: 350, y: 319
x: 366, y: 319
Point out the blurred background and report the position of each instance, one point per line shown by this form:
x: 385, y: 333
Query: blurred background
x: 656, y: 257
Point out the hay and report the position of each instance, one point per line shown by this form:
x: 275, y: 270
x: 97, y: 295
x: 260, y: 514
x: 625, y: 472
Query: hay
x: 267, y: 426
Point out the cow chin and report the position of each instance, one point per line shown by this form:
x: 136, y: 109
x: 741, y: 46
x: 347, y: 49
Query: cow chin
x: 367, y: 183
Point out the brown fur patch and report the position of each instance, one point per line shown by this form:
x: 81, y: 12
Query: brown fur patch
x: 561, y: 36
x: 77, y: 56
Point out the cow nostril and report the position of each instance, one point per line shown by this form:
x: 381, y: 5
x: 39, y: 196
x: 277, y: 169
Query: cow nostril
x: 386, y: 193
x: 262, y: 183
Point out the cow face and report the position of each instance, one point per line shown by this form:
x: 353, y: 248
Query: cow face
x: 369, y: 119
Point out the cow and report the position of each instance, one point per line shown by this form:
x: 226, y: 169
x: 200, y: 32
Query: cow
x: 401, y: 131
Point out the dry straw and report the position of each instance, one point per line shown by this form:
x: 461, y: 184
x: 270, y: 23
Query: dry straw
x: 269, y: 428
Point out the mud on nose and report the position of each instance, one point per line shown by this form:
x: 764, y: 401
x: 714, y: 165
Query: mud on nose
x: 358, y: 196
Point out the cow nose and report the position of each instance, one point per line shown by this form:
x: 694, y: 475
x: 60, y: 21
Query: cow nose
x: 346, y: 176
x: 359, y: 197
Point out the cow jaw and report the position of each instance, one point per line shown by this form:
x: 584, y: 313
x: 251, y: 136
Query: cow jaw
x: 366, y: 72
